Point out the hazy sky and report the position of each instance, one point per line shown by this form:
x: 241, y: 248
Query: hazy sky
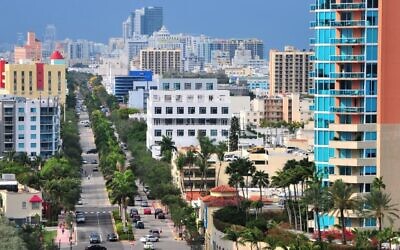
x: 277, y: 22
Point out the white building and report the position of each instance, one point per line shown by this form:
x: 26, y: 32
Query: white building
x: 183, y: 108
x: 139, y: 96
x: 29, y: 125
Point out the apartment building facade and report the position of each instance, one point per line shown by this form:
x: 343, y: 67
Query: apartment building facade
x: 345, y: 75
x: 183, y: 108
x: 32, y: 50
x: 160, y: 61
x: 29, y: 125
x: 289, y: 71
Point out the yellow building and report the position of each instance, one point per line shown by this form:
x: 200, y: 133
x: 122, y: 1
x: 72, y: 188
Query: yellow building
x: 35, y: 80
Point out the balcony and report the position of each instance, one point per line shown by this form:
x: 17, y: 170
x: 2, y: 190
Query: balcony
x: 347, y: 92
x: 352, y: 127
x: 8, y: 131
x: 348, y: 24
x: 353, y: 110
x: 347, y: 58
x: 352, y: 144
x: 354, y: 179
x: 347, y: 6
x: 347, y: 75
x: 358, y: 162
x: 348, y: 41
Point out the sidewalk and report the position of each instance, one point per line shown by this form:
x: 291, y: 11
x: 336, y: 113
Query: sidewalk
x: 62, y: 238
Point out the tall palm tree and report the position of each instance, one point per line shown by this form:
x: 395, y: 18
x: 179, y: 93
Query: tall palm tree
x: 280, y: 181
x: 339, y: 196
x: 220, y: 150
x: 167, y: 147
x: 180, y: 162
x: 235, y: 180
x: 233, y: 234
x: 379, y: 205
x: 190, y: 159
x: 315, y: 196
x: 378, y: 184
x: 207, y: 148
x: 243, y: 167
x: 260, y: 179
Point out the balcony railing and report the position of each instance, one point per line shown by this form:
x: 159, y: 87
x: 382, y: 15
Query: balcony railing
x: 347, y: 75
x: 347, y: 109
x: 348, y: 23
x: 350, y: 58
x: 348, y: 40
x: 349, y: 6
x: 348, y: 92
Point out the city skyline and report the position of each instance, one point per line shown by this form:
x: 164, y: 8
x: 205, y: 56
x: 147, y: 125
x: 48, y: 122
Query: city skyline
x: 81, y: 20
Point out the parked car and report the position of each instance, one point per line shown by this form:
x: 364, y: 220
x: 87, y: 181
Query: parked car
x: 149, y: 238
x: 95, y: 169
x: 139, y: 224
x: 80, y: 218
x: 145, y: 204
x: 155, y: 232
x: 133, y: 212
x: 94, y: 238
x: 95, y: 247
x: 80, y: 202
x: 147, y: 210
x: 91, y: 151
x: 84, y: 162
x: 148, y: 245
x: 112, y: 237
x: 138, y: 198
x: 158, y: 210
x: 94, y: 161
x: 161, y: 216
x: 135, y: 218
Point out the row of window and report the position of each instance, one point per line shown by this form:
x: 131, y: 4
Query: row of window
x: 35, y: 205
x: 187, y: 86
x: 190, y: 110
x: 191, y: 121
x: 191, y: 132
x: 22, y: 145
x: 22, y: 136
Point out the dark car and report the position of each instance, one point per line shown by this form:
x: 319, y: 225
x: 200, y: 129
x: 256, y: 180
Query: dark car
x: 92, y: 151
x: 139, y: 224
x: 93, y: 161
x: 135, y: 218
x: 94, y: 238
x: 95, y: 169
x: 157, y: 211
x: 112, y: 237
x: 133, y: 212
x: 150, y: 196
x: 95, y: 247
x: 161, y: 216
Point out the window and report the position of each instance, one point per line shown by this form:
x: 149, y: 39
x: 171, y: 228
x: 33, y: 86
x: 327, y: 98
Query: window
x: 370, y: 136
x: 168, y: 110
x: 180, y: 132
x: 345, y: 171
x: 21, y: 145
x: 21, y: 119
x: 199, y: 85
x: 202, y: 132
x: 21, y: 110
x: 191, y: 132
x: 33, y: 127
x: 209, y: 86
x: 224, y: 132
x: 202, y: 121
x: 24, y: 205
x: 157, y: 132
x: 369, y: 170
x: 214, y: 110
x: 33, y: 136
x: 167, y: 98
x: 21, y: 136
x: 188, y: 86
x: 157, y: 110
x: 213, y: 132
x: 33, y: 145
x: 179, y: 121
x: 21, y: 127
x: 224, y: 121
x: 370, y: 153
x: 191, y: 110
x: 33, y: 110
x: 225, y: 110
x: 168, y: 121
x: 369, y: 222
x: 165, y: 86
x: 203, y: 110
x: 168, y: 132
x: 33, y: 118
x: 35, y: 205
x: 177, y: 86
x: 180, y: 110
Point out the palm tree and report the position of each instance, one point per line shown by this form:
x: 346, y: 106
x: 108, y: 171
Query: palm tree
x: 235, y: 180
x: 260, y: 179
x: 167, y: 147
x: 315, y: 196
x: 379, y: 205
x: 206, y: 150
x: 190, y: 159
x: 378, y: 184
x: 180, y: 162
x: 339, y: 197
x: 280, y: 181
x: 122, y: 187
x: 243, y: 167
x: 233, y: 234
x: 220, y: 150
x: 253, y: 236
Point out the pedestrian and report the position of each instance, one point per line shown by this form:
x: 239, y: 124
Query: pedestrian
x: 155, y: 215
x: 62, y: 230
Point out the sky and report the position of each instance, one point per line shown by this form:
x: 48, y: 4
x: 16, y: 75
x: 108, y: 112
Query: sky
x: 276, y: 22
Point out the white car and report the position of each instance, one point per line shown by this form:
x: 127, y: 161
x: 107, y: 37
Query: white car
x: 148, y: 245
x: 149, y: 238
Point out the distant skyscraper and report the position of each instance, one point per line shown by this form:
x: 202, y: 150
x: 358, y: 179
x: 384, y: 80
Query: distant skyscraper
x: 143, y: 22
x: 49, y: 40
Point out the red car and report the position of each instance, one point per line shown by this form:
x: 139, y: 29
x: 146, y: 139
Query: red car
x: 147, y: 210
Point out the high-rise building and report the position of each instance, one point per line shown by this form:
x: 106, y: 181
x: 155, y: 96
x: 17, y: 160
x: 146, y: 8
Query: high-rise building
x: 35, y: 80
x: 160, y: 61
x: 289, y: 71
x: 256, y: 46
x: 345, y: 88
x: 49, y: 40
x: 143, y: 21
x: 32, y: 50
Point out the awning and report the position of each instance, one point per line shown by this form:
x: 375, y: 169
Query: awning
x: 35, y: 198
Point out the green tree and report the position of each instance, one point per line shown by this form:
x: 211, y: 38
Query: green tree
x: 340, y: 199
x: 233, y: 234
x: 167, y: 147
x: 207, y: 148
x: 10, y: 238
x: 362, y: 238
x: 378, y: 184
x: 234, y: 134
x: 220, y: 150
x: 180, y: 162
x: 121, y: 188
x: 260, y: 179
x: 235, y: 180
x: 254, y: 236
